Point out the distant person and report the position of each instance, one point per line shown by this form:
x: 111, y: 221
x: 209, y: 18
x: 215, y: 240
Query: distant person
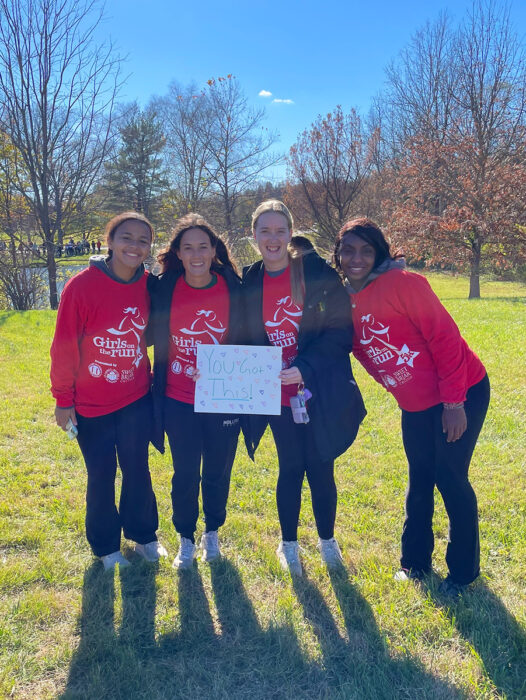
x: 92, y: 247
x: 98, y: 247
x: 409, y: 343
x: 297, y: 302
x: 100, y: 378
x: 195, y: 297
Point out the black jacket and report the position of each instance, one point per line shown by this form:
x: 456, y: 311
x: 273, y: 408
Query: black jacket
x: 336, y: 408
x: 161, y: 292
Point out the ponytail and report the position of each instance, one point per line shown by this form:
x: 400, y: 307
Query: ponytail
x: 297, y: 277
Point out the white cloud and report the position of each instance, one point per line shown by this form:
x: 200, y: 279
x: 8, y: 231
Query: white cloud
x: 283, y: 102
x: 264, y: 93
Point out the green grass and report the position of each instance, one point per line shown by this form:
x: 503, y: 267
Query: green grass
x: 242, y: 628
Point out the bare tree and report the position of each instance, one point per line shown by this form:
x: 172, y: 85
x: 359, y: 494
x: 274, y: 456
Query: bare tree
x: 329, y: 164
x: 421, y: 87
x: 237, y: 145
x: 57, y: 90
x: 20, y: 279
x: 461, y: 96
x: 186, y: 120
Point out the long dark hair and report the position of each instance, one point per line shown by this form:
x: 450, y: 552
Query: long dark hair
x: 369, y: 232
x: 168, y: 258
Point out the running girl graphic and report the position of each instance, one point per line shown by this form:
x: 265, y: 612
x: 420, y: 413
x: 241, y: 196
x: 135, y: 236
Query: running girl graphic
x: 206, y: 328
x: 373, y: 330
x: 282, y: 330
x: 286, y: 310
x: 132, y: 323
x: 206, y: 324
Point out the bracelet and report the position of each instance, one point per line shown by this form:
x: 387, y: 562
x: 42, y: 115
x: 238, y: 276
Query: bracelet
x: 460, y: 404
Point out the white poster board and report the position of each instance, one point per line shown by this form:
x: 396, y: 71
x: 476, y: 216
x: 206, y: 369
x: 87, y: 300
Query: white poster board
x: 238, y: 379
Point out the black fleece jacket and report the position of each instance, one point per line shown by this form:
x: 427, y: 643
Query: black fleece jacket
x: 336, y: 408
x: 161, y: 292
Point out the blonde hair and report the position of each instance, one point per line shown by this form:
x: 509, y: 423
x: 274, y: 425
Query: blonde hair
x: 272, y: 205
x: 297, y: 277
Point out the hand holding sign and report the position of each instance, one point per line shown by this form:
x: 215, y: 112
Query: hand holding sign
x: 238, y: 379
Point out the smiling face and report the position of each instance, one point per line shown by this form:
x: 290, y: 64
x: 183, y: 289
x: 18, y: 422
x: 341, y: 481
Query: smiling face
x: 272, y: 234
x: 130, y: 245
x: 196, y: 253
x: 357, y: 258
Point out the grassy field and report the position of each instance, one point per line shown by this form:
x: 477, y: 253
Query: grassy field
x: 242, y: 628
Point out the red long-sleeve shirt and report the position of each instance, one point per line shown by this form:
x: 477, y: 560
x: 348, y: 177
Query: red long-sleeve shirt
x: 99, y: 362
x: 282, y: 317
x: 197, y: 316
x: 409, y: 343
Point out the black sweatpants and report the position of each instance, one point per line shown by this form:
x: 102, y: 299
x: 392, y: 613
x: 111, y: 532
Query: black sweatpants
x: 124, y: 434
x: 434, y: 461
x: 297, y: 456
x: 211, y: 437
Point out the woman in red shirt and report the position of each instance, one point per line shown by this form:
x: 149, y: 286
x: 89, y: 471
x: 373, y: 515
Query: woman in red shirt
x: 294, y: 300
x: 409, y: 343
x: 100, y: 378
x: 194, y: 301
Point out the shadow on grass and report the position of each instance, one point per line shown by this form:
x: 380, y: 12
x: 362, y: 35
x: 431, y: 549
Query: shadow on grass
x: 513, y: 300
x: 225, y: 652
x: 360, y: 666
x: 107, y: 662
x: 481, y: 618
x: 261, y: 663
x: 6, y: 315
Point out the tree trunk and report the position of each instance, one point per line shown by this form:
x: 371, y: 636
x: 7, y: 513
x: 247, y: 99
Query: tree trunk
x: 52, y: 274
x: 228, y: 218
x: 474, y: 276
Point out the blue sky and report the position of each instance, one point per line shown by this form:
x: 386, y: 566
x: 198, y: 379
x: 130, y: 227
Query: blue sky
x: 315, y: 54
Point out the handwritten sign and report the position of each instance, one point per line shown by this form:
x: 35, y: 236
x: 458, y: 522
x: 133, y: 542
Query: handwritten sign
x: 238, y: 379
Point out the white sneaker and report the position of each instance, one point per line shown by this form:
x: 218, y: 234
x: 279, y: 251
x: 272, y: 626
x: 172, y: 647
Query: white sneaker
x: 210, y: 546
x: 110, y: 561
x: 330, y: 552
x: 288, y: 555
x: 152, y: 551
x: 185, y: 555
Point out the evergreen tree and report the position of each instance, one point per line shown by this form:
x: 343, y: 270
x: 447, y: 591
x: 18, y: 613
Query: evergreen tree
x: 137, y: 177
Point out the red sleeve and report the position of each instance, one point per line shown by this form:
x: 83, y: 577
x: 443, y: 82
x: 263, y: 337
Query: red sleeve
x: 65, y: 348
x: 439, y: 330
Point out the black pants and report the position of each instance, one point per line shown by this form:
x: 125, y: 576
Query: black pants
x: 211, y: 437
x: 433, y: 461
x: 124, y: 434
x: 297, y: 456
